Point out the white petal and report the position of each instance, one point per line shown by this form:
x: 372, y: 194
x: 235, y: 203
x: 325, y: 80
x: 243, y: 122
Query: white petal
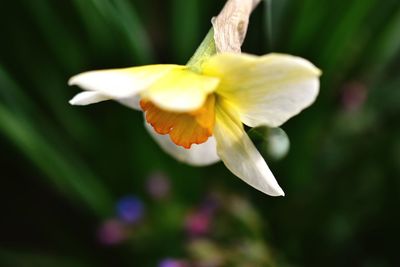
x: 90, y: 97
x: 131, y: 102
x: 240, y: 155
x: 121, y: 83
x: 87, y: 98
x: 265, y: 90
x: 198, y: 155
x: 181, y: 90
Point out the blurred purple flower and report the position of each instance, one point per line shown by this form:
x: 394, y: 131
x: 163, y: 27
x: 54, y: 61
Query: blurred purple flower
x: 158, y: 185
x: 210, y: 205
x: 353, y: 96
x: 130, y: 209
x: 111, y: 232
x: 172, y: 263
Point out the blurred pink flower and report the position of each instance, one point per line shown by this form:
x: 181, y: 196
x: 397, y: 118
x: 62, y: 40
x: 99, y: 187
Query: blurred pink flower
x: 353, y: 96
x: 172, y: 263
x: 158, y: 185
x: 111, y: 232
x: 198, y: 223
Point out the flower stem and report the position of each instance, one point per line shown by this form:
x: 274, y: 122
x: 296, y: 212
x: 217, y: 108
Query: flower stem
x: 204, y: 51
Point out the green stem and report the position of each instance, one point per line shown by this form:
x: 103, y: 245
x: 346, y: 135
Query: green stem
x: 204, y: 51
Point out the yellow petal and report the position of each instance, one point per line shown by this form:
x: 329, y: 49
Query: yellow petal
x: 121, y: 84
x: 266, y: 90
x: 239, y: 154
x: 181, y: 90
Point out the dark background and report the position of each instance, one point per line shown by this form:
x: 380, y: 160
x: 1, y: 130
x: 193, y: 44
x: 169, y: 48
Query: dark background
x: 66, y: 170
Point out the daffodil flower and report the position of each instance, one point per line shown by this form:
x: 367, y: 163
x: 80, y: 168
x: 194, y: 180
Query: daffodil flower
x: 197, y: 116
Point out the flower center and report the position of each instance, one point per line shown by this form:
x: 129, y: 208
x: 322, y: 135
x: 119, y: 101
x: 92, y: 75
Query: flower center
x: 184, y: 129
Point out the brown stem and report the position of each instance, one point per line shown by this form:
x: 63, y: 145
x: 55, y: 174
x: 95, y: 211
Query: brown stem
x: 230, y: 26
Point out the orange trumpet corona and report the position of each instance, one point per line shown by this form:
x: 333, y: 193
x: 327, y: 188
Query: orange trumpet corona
x: 184, y: 129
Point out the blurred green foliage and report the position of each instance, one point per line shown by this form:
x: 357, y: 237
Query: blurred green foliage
x: 64, y: 168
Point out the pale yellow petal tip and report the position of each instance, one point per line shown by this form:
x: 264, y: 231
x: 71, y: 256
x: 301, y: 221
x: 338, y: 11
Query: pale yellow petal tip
x: 273, y: 189
x: 87, y: 98
x: 310, y: 66
x: 281, y: 193
x: 317, y: 71
x: 73, y: 80
x: 314, y: 70
x: 81, y: 79
x: 75, y: 101
x: 277, y: 192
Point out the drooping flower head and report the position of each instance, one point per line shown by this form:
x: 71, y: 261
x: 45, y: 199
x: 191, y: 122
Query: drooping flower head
x: 197, y: 114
